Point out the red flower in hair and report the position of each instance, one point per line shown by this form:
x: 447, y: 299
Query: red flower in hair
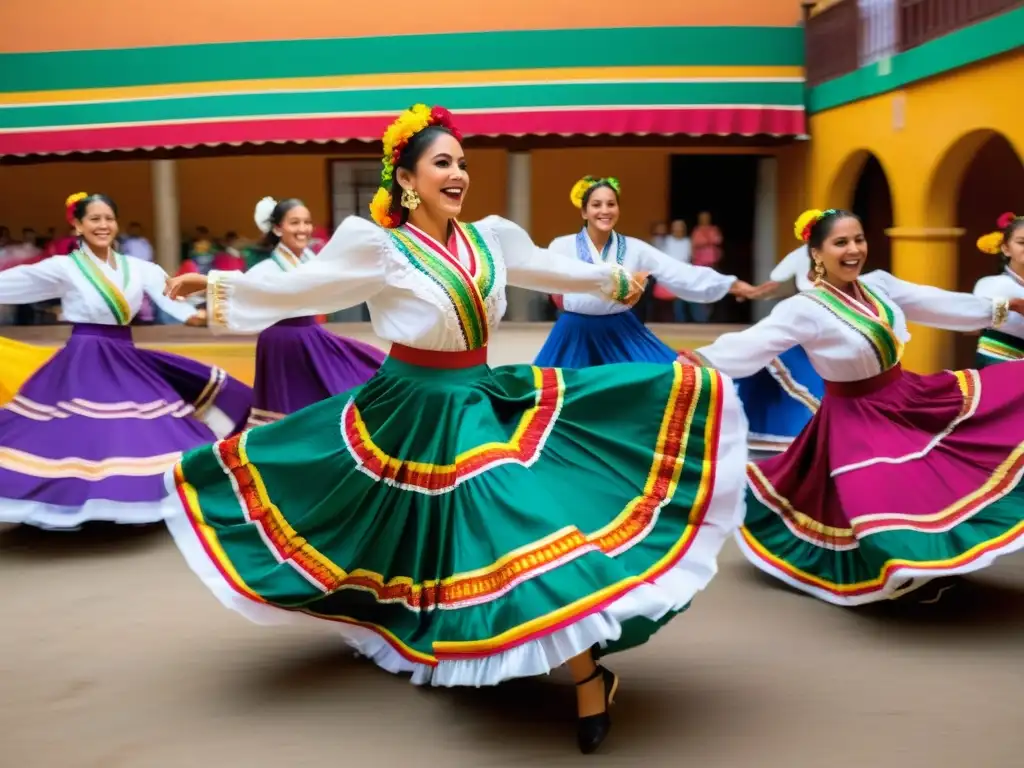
x: 1005, y: 220
x: 443, y: 118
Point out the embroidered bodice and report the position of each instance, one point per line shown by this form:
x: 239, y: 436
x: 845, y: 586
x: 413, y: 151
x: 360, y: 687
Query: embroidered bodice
x: 90, y: 289
x: 848, y: 339
x: 696, y: 284
x: 421, y: 293
x: 1010, y: 285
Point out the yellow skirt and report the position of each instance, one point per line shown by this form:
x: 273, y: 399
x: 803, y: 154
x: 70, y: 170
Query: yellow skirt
x: 17, y: 363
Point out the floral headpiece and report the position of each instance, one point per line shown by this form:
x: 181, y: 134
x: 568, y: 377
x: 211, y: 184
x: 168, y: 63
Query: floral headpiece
x: 396, y: 139
x: 992, y: 243
x: 70, y: 203
x: 805, y: 222
x: 263, y: 213
x: 581, y: 187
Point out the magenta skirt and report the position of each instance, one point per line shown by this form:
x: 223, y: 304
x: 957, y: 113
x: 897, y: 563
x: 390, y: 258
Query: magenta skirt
x: 896, y: 481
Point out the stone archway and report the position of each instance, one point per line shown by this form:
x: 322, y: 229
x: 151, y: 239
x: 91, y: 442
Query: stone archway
x: 990, y: 182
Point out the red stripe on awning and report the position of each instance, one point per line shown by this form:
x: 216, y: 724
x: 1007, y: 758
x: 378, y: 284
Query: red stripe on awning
x: 593, y: 122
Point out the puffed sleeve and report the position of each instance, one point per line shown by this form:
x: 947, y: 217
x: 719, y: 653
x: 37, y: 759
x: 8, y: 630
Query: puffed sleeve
x: 990, y: 287
x: 795, y: 263
x: 154, y: 280
x: 349, y: 270
x: 937, y: 308
x: 539, y: 269
x: 744, y: 353
x: 30, y: 283
x: 701, y: 285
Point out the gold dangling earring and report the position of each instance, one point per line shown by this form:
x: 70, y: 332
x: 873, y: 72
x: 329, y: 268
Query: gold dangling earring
x: 410, y: 199
x: 819, y: 272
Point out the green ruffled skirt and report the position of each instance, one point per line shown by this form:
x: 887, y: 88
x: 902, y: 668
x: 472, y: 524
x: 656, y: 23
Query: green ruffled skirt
x: 471, y: 526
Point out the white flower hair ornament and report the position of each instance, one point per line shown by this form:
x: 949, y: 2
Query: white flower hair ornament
x: 264, y: 210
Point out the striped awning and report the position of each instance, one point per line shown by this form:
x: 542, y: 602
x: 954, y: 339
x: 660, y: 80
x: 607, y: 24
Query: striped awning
x: 666, y: 81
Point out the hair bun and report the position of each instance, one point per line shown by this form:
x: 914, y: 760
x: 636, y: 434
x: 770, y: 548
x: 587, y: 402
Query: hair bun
x: 992, y: 243
x: 804, y: 222
x: 264, y: 212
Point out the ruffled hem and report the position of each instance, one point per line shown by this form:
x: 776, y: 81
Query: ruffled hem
x: 64, y: 518
x: 671, y: 592
x: 899, y: 581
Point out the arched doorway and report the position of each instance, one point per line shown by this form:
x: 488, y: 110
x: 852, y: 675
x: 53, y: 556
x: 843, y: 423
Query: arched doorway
x: 862, y: 186
x: 872, y: 201
x: 992, y: 183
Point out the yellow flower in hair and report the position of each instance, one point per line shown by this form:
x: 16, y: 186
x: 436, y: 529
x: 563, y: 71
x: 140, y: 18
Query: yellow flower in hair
x: 72, y: 199
x: 992, y: 243
x: 804, y: 221
x: 380, y: 209
x: 579, y: 189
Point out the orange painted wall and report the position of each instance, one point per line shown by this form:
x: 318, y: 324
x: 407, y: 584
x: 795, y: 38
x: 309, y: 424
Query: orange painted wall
x: 123, y: 23
x: 220, y: 193
x: 33, y: 195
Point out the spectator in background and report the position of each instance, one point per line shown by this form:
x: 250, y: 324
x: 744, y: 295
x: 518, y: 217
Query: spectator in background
x: 678, y: 247
x: 706, y: 251
x: 230, y: 256
x: 658, y: 234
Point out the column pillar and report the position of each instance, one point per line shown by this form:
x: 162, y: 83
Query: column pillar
x: 166, y: 219
x: 765, y: 235
x: 927, y: 255
x: 522, y: 304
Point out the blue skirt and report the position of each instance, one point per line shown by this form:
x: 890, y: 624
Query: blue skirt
x: 582, y: 341
x: 780, y: 400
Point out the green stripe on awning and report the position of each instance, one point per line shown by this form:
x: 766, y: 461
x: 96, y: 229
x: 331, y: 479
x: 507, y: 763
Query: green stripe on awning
x: 475, y: 51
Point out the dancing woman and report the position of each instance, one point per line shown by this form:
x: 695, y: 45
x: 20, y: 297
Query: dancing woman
x: 462, y: 523
x: 781, y: 399
x: 1007, y: 342
x: 593, y: 330
x: 298, y: 362
x: 91, y: 433
x: 899, y: 478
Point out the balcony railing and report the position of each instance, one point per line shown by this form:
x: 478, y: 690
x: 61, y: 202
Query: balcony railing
x: 843, y: 35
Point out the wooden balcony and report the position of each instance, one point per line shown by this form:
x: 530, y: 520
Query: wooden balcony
x: 843, y: 35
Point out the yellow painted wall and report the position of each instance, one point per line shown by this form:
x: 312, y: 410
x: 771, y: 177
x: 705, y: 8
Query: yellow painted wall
x: 924, y: 137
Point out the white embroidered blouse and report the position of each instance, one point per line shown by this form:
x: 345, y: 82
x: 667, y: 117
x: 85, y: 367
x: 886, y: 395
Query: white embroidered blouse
x: 795, y: 265
x: 845, y: 339
x: 90, y: 289
x: 419, y: 293
x: 1008, y: 284
x: 697, y: 284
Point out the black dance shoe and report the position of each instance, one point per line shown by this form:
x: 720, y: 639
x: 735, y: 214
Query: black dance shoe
x: 591, y: 730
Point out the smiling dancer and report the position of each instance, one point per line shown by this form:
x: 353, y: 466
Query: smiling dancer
x: 464, y: 526
x: 592, y: 330
x: 299, y: 362
x: 91, y: 434
x: 899, y: 478
x: 1006, y: 343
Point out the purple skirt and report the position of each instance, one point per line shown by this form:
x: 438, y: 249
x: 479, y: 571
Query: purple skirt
x: 894, y: 482
x: 91, y: 433
x: 299, y: 362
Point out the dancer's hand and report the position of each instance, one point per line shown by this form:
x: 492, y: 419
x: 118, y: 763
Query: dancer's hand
x: 1016, y: 305
x: 199, y: 319
x: 185, y: 285
x: 743, y: 291
x: 637, y: 286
